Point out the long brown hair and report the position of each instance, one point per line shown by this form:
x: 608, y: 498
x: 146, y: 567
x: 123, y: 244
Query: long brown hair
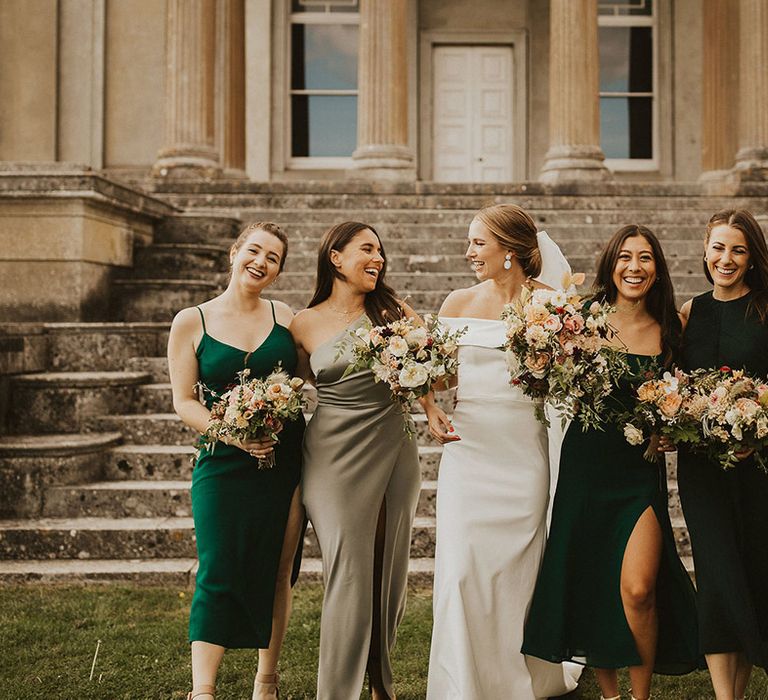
x: 381, y: 304
x: 757, y: 274
x: 660, y: 300
x: 515, y: 230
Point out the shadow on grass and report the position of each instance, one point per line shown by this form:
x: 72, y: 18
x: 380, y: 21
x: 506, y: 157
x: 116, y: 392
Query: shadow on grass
x: 48, y: 637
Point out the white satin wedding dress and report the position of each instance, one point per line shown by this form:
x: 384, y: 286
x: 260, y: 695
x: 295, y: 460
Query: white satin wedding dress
x: 492, y: 496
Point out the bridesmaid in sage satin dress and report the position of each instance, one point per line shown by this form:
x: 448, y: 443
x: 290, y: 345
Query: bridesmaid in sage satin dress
x: 361, y: 476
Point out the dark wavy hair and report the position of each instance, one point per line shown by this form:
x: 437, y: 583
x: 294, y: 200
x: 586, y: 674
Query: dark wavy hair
x: 660, y: 300
x: 757, y: 275
x: 381, y: 304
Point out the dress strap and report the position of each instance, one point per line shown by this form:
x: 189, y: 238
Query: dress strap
x: 202, y: 318
x: 272, y: 304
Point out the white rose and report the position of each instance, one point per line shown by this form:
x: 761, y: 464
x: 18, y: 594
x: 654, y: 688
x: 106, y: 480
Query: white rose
x: 416, y: 338
x: 559, y: 298
x: 412, y: 376
x: 380, y: 371
x: 397, y: 346
x: 634, y: 435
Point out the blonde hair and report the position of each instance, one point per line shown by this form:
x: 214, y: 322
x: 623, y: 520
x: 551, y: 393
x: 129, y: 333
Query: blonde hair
x: 267, y: 226
x: 515, y: 230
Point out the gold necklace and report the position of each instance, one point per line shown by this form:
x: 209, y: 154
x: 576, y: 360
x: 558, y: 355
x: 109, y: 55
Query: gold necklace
x: 358, y: 310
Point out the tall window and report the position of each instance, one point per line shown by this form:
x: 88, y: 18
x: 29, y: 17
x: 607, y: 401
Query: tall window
x: 323, y: 80
x: 628, y: 105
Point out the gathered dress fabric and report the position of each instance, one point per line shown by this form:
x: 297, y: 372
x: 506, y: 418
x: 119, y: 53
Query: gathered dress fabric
x: 604, y: 486
x: 727, y: 510
x: 492, y: 495
x: 240, y: 511
x: 357, y: 458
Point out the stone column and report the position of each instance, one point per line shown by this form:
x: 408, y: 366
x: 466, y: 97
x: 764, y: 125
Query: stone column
x: 230, y: 84
x: 719, y: 88
x: 574, y: 100
x: 752, y: 156
x: 189, y: 106
x: 382, y: 119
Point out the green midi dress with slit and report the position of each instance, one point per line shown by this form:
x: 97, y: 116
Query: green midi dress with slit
x: 604, y: 486
x: 240, y: 511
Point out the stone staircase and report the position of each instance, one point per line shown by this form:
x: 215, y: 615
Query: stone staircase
x: 95, y: 468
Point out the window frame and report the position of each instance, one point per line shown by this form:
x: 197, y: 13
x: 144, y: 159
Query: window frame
x: 616, y: 20
x: 321, y: 17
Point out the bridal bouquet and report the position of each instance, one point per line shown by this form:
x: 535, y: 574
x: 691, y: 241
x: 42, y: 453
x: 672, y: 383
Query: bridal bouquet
x: 406, y: 355
x: 253, y: 410
x: 669, y: 406
x: 557, y: 354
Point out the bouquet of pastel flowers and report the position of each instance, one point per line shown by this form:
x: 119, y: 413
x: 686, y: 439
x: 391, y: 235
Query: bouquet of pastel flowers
x: 669, y: 406
x: 406, y: 355
x: 721, y: 413
x: 556, y: 350
x: 253, y: 410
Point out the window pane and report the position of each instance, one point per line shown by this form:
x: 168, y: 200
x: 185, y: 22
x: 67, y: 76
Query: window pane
x: 626, y: 127
x: 324, y: 57
x: 626, y: 59
x: 323, y: 125
x: 625, y: 7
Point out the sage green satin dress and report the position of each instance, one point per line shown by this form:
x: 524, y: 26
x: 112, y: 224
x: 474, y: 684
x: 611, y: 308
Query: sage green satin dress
x: 356, y: 457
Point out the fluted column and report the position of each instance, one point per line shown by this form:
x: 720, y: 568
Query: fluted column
x: 574, y: 99
x: 752, y: 156
x: 382, y: 118
x: 190, y: 64
x: 719, y: 88
x: 230, y: 84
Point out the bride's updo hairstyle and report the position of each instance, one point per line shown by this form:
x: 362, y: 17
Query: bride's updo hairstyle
x: 515, y: 231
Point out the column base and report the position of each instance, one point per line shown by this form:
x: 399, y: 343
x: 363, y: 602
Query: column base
x: 574, y: 164
x: 383, y: 162
x: 751, y: 165
x: 187, y: 162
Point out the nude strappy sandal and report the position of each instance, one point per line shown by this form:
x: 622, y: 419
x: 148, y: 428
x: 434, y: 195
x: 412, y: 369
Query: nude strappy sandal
x: 202, y: 690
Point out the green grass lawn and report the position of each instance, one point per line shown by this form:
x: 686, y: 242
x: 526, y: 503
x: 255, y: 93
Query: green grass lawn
x: 48, y: 637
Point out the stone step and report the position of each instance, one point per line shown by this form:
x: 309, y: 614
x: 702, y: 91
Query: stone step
x: 149, y: 499
x: 174, y: 462
x: 170, y: 537
x: 154, y: 572
x: 187, y: 261
x: 29, y: 464
x: 137, y: 538
x: 60, y: 402
x: 156, y: 367
x: 157, y: 299
x: 168, y: 429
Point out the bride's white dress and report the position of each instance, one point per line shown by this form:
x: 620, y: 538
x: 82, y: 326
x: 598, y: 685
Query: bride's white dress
x: 492, y: 495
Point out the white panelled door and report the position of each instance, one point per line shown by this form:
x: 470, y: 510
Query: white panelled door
x: 472, y: 114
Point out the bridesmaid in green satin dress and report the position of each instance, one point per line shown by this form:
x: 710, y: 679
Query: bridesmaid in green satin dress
x: 612, y: 591
x: 361, y: 475
x: 248, y: 521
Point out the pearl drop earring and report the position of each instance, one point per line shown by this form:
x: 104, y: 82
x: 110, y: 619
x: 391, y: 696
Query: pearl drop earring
x: 508, y: 261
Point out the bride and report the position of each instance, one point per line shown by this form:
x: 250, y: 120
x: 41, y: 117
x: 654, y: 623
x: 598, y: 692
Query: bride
x: 493, y: 484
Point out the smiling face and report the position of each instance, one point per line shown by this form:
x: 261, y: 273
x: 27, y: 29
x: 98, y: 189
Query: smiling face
x: 727, y: 257
x: 256, y: 262
x: 635, y: 270
x: 484, y: 252
x: 361, y: 261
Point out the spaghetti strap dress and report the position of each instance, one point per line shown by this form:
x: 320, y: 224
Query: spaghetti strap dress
x: 604, y: 486
x: 727, y: 511
x: 357, y: 457
x: 240, y: 511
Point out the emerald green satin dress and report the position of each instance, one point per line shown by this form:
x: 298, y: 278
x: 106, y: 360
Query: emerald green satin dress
x: 604, y: 486
x: 240, y: 511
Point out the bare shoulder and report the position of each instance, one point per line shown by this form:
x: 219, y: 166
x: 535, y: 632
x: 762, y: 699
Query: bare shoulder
x: 187, y: 320
x: 456, y: 302
x: 283, y: 313
x: 685, y: 310
x: 302, y: 321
